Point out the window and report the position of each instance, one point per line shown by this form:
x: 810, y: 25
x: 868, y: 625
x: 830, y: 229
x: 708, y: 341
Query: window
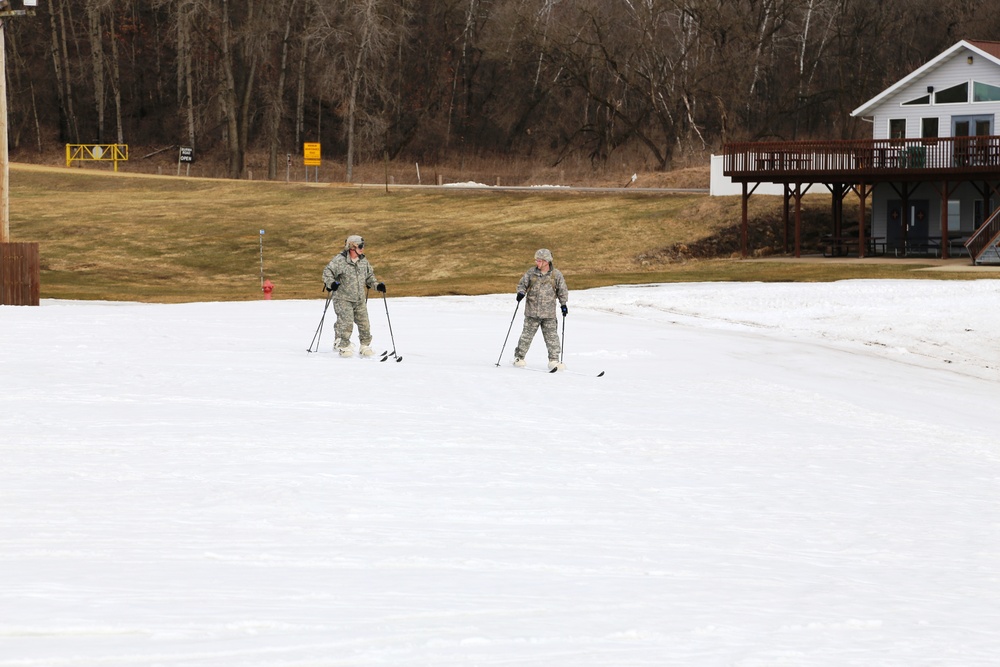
x: 897, y: 128
x: 954, y: 215
x: 926, y: 99
x: 984, y: 92
x: 929, y: 128
x: 953, y: 95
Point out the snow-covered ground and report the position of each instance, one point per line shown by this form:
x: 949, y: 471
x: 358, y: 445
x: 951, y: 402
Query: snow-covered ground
x: 767, y: 474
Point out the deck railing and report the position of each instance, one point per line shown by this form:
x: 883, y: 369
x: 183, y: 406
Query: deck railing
x: 985, y: 236
x: 879, y: 156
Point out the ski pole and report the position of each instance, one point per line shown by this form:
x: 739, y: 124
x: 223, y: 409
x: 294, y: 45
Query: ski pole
x: 391, y: 338
x: 562, y: 348
x: 508, y: 333
x: 319, y: 329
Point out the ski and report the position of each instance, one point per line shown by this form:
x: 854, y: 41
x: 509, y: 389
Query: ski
x: 556, y: 370
x: 383, y: 355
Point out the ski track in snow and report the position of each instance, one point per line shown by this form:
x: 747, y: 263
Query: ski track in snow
x: 768, y: 475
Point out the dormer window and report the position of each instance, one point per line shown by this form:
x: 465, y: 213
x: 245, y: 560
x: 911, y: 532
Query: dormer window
x: 984, y: 92
x: 954, y: 95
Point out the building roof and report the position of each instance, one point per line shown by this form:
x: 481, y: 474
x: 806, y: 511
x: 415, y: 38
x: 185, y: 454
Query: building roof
x: 989, y: 50
x: 992, y: 48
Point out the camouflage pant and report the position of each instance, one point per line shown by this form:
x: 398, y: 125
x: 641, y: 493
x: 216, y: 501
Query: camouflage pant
x: 550, y: 332
x: 350, y: 313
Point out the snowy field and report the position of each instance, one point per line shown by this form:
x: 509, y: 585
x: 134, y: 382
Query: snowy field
x: 767, y: 475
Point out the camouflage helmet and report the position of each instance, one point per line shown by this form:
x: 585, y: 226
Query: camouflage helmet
x: 354, y: 242
x: 544, y: 255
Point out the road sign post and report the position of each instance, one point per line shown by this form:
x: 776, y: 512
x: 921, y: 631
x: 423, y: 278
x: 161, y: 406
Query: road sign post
x: 311, y: 157
x: 185, y: 156
x: 262, y: 259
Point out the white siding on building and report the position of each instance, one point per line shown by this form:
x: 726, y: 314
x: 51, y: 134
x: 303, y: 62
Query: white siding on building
x: 948, y: 74
x: 723, y: 186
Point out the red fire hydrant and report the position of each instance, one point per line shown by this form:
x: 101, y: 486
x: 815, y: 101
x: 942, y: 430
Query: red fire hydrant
x: 268, y: 287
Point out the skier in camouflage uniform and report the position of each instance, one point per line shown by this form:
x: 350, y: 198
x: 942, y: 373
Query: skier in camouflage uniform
x: 543, y: 287
x: 348, y: 276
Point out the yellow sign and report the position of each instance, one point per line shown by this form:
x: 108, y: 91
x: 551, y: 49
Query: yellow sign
x: 311, y: 154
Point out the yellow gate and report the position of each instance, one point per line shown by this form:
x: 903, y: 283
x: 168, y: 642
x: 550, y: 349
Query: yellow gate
x: 97, y: 152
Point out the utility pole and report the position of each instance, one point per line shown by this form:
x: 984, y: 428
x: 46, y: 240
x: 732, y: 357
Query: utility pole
x: 20, y: 282
x: 5, y: 176
x: 5, y: 12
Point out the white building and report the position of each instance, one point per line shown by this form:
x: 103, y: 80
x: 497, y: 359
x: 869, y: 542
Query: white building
x: 955, y: 95
x: 928, y: 180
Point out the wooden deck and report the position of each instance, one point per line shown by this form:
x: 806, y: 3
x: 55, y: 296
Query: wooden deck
x: 864, y: 161
x: 859, y: 166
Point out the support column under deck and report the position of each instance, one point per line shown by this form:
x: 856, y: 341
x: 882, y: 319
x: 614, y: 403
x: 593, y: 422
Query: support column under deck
x: 743, y: 227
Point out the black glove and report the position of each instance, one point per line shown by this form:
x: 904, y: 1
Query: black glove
x: 565, y: 310
x: 331, y: 288
x: 380, y: 288
x: 520, y: 295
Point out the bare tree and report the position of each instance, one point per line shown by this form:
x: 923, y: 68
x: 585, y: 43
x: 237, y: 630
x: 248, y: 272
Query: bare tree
x: 275, y: 94
x: 639, y: 63
x: 245, y: 30
x: 22, y: 101
x: 463, y: 70
x: 662, y: 78
x: 68, y: 127
x: 362, y: 35
x: 94, y: 9
x: 185, y: 68
x: 811, y: 53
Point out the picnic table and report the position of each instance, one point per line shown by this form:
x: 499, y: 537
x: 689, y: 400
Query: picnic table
x: 839, y: 246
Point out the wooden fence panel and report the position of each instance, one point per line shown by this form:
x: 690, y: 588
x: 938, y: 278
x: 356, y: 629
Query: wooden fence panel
x: 20, y: 274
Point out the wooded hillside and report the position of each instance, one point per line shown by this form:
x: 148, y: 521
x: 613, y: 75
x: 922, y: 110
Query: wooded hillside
x: 666, y: 81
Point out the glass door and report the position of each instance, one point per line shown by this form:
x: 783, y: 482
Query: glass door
x: 907, y: 229
x: 971, y: 146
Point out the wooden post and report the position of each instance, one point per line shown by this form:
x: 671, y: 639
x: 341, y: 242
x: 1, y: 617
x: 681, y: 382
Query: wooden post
x: 786, y: 213
x: 798, y: 219
x: 905, y: 218
x: 744, y: 224
x: 945, y: 242
x: 862, y: 217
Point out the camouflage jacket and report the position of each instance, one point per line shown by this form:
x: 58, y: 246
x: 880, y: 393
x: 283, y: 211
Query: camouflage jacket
x: 543, y: 291
x: 353, y: 277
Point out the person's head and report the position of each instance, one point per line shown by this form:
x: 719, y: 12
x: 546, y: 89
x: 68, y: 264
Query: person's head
x: 354, y: 245
x: 543, y: 260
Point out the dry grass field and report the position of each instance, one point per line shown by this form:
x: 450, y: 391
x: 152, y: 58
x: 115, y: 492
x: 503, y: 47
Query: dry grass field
x: 152, y: 238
